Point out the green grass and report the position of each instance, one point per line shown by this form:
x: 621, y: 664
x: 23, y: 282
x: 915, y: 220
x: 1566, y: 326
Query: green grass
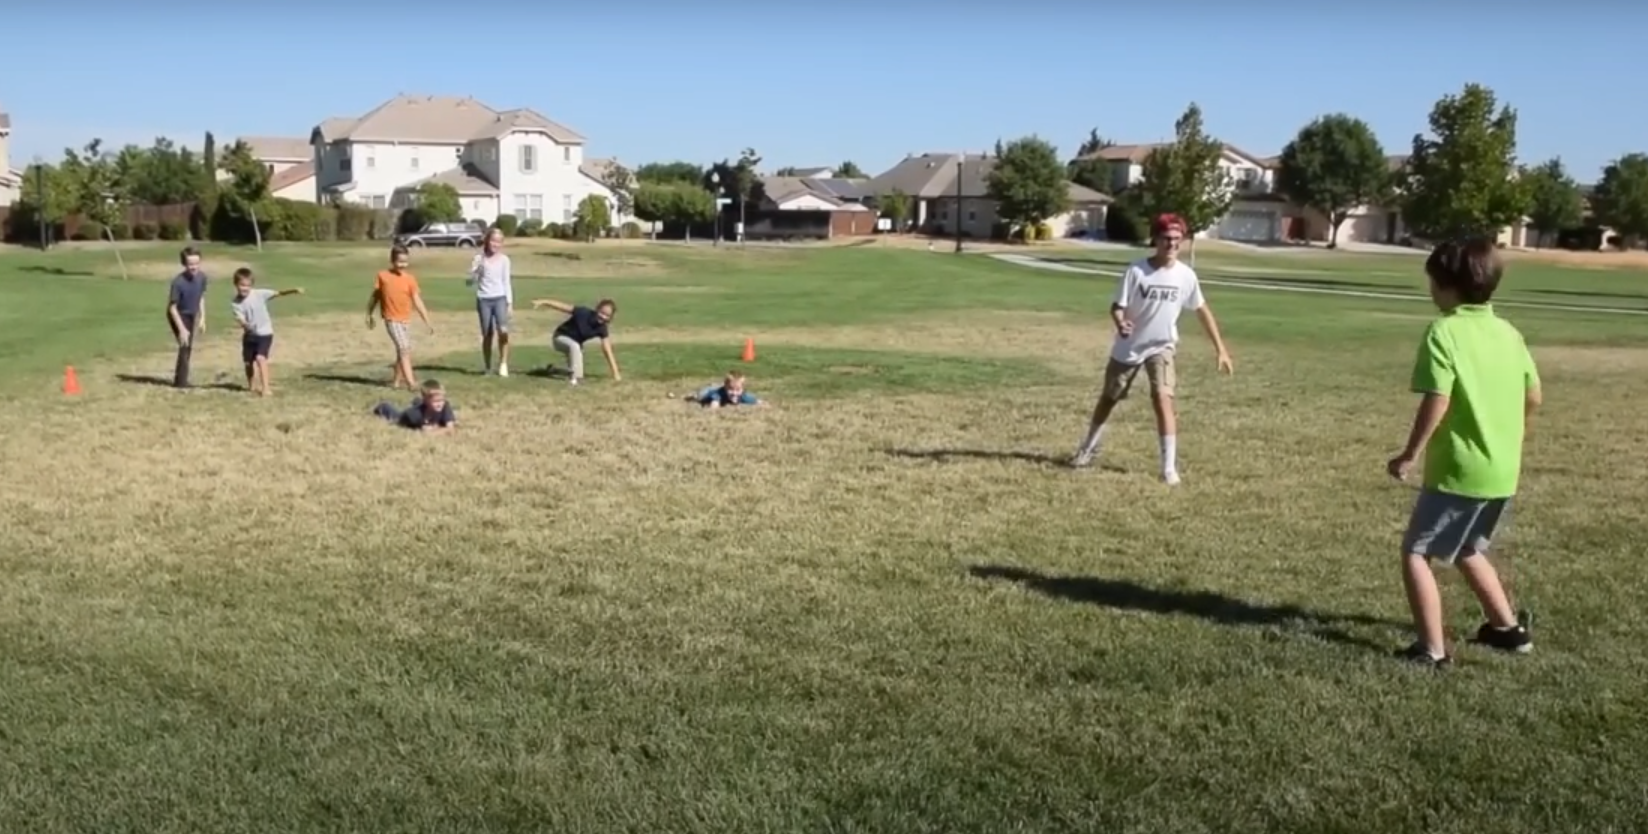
x: 877, y: 606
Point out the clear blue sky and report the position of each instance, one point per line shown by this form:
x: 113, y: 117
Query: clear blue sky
x: 867, y: 81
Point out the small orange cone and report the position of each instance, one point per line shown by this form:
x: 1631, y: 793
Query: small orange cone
x: 749, y: 350
x: 71, y: 382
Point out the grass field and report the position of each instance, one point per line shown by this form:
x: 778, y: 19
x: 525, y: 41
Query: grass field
x: 874, y: 607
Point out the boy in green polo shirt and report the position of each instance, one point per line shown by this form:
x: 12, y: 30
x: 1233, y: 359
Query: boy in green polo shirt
x: 1479, y: 386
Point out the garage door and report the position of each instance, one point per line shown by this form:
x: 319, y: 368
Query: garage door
x: 1248, y: 225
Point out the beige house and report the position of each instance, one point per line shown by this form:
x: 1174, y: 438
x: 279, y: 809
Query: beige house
x: 11, y: 179
x: 1383, y: 223
x: 1256, y: 215
x: 948, y: 191
x: 291, y: 164
x: 810, y: 193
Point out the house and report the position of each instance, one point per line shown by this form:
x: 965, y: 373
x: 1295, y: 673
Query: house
x: 1376, y: 223
x: 1257, y: 215
x: 792, y: 193
x: 500, y: 161
x: 11, y: 179
x: 947, y: 190
x: 291, y: 164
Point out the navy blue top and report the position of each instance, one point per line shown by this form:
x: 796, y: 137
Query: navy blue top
x: 584, y: 324
x: 188, y: 294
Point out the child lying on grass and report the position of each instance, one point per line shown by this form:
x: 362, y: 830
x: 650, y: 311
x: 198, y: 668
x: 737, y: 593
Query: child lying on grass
x: 729, y: 393
x: 430, y: 413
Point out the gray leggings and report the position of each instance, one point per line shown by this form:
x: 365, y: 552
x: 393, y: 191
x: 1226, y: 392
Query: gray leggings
x: 574, y: 353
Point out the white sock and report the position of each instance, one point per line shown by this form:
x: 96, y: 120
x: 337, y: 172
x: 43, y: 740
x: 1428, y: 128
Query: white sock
x: 1091, y: 444
x: 1170, y: 453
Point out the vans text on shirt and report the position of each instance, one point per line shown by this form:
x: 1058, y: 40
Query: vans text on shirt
x: 1152, y: 299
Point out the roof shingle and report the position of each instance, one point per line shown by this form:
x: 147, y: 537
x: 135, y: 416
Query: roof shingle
x: 440, y: 120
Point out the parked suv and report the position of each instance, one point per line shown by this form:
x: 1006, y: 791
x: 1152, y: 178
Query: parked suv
x: 463, y: 235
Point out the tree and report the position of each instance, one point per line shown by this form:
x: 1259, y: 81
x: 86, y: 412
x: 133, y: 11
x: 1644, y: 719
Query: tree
x: 667, y: 172
x: 895, y: 206
x: 593, y: 219
x: 1028, y: 183
x: 674, y: 203
x: 849, y: 170
x: 1087, y: 169
x: 621, y: 183
x: 46, y: 197
x: 162, y: 174
x: 96, y: 190
x: 1093, y: 144
x: 1621, y: 198
x: 245, y: 194
x: 1185, y: 177
x: 439, y: 202
x: 1464, y: 181
x: 1554, y: 201
x: 652, y: 203
x: 206, y: 196
x: 1334, y: 165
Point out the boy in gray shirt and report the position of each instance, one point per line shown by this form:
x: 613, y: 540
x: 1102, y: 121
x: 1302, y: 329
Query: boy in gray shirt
x: 251, y: 309
x: 494, y: 287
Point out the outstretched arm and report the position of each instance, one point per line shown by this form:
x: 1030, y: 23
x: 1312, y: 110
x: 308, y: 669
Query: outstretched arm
x: 540, y: 303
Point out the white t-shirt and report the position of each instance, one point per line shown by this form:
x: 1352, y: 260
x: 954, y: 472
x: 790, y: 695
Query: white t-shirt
x: 1152, y: 300
x: 492, y: 276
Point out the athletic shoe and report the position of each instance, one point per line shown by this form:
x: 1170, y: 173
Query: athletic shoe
x: 1515, y: 639
x: 1170, y: 477
x: 503, y: 370
x: 1420, y: 654
x: 1082, y: 459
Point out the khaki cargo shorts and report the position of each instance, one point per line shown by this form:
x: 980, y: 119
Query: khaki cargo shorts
x: 1118, y: 377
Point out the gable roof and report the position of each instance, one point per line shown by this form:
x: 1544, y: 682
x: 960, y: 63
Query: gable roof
x: 279, y: 148
x: 467, y: 179
x: 808, y: 173
x: 930, y: 176
x: 438, y: 120
x: 1137, y: 154
x: 290, y: 177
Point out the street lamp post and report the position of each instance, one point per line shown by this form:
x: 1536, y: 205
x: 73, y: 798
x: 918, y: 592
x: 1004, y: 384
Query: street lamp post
x: 741, y: 202
x: 959, y: 163
x: 715, y: 189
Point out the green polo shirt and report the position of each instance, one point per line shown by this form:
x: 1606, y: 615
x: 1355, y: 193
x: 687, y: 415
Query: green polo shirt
x: 1480, y: 362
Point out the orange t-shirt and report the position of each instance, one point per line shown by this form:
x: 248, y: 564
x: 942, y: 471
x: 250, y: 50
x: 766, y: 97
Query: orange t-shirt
x: 395, y: 293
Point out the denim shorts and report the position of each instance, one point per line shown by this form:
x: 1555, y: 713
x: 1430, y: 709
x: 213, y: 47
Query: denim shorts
x: 494, y: 314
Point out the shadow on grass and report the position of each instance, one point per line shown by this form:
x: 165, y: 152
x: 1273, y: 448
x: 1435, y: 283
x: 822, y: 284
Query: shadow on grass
x: 1211, y: 606
x: 947, y: 455
x: 166, y: 382
x: 348, y: 379
x: 1594, y: 294
x: 57, y: 270
x: 448, y: 369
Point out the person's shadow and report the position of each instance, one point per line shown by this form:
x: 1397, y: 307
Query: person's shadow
x: 1214, y: 607
x: 166, y: 382
x: 949, y: 455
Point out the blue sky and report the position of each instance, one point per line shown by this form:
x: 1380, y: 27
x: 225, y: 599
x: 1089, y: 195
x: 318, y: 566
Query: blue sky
x: 864, y: 81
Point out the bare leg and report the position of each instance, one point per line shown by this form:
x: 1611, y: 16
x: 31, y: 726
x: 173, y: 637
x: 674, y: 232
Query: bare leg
x: 1425, y: 602
x: 503, y: 349
x: 251, y: 377
x: 1480, y: 574
x: 486, y: 349
x: 1167, y: 427
x: 404, y: 370
x: 263, y: 373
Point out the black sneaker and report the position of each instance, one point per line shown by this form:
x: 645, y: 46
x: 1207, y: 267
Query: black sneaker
x: 1420, y: 654
x: 1515, y: 639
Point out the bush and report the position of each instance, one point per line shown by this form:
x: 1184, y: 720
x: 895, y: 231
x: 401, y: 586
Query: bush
x: 88, y: 230
x: 1044, y: 231
x: 297, y: 221
x: 353, y: 222
x: 554, y: 230
x: 630, y: 230
x: 121, y: 231
x: 479, y: 223
x: 506, y: 223
x: 528, y: 228
x: 174, y: 230
x: 146, y: 231
x: 384, y: 223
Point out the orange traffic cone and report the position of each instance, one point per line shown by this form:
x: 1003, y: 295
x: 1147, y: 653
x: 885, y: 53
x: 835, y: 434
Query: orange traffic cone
x: 71, y: 382
x: 749, y: 350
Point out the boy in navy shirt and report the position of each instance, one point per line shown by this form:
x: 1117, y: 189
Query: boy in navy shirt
x: 729, y: 393
x: 430, y: 413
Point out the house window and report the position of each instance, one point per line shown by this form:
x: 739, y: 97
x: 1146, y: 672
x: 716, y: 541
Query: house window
x: 344, y: 165
x: 371, y: 162
x: 529, y: 160
x: 376, y: 201
x: 566, y: 154
x: 414, y: 163
x: 529, y: 206
x: 971, y: 216
x: 491, y: 154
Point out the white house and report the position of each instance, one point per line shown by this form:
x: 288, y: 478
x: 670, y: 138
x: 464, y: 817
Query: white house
x: 500, y: 161
x: 947, y: 190
x: 11, y: 179
x: 1255, y: 216
x: 291, y: 164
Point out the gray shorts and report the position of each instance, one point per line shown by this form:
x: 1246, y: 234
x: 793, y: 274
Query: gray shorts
x: 494, y: 313
x: 1446, y: 527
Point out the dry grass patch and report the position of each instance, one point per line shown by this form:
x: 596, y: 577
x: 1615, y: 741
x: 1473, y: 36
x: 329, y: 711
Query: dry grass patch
x: 1634, y: 260
x: 1558, y: 361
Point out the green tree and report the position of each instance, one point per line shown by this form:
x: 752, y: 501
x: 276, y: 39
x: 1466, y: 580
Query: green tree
x: 1028, y: 183
x: 1185, y: 177
x: 1087, y: 169
x: 1463, y: 180
x: 439, y: 202
x: 46, y: 198
x: 1093, y: 144
x: 206, y: 191
x: 667, y: 172
x: 1334, y: 165
x: 621, y: 182
x: 1621, y: 198
x: 849, y: 170
x: 96, y: 191
x: 653, y: 203
x: 895, y: 206
x: 593, y: 219
x: 162, y: 174
x: 1554, y: 201
x: 245, y: 194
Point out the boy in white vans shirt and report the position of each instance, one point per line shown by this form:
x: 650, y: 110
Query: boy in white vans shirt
x: 1152, y: 294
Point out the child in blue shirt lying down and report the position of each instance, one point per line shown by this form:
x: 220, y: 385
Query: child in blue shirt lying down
x: 729, y: 393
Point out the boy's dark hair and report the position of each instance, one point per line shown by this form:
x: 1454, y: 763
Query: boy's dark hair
x: 1470, y: 268
x: 607, y: 303
x: 398, y: 250
x: 243, y: 272
x: 183, y: 256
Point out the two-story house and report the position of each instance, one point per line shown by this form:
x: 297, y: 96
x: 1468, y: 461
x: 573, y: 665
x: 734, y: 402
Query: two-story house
x: 11, y: 179
x: 1257, y: 214
x: 291, y: 164
x: 499, y: 161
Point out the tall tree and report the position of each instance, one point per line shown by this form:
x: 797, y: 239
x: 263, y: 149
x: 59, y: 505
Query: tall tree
x: 621, y: 182
x: 96, y: 190
x: 1554, y: 201
x: 1093, y: 144
x: 665, y: 172
x: 45, y: 199
x: 439, y: 202
x: 1185, y: 177
x: 1463, y: 179
x: 1621, y: 198
x: 1028, y: 183
x: 206, y: 196
x: 1334, y: 165
x: 593, y: 219
x: 895, y: 206
x: 1088, y: 169
x: 849, y: 170
x: 246, y: 192
x: 162, y: 174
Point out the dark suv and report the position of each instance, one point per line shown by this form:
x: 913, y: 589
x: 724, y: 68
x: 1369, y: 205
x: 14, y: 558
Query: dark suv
x: 463, y: 235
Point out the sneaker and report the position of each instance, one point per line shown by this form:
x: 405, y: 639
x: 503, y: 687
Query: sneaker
x: 1515, y: 639
x: 1082, y: 459
x: 1420, y: 654
x: 1170, y: 477
x: 503, y: 370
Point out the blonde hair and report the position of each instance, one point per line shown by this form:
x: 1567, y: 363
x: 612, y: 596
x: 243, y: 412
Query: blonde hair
x: 735, y: 376
x: 431, y: 386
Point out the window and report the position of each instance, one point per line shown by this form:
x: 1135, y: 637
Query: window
x: 566, y: 154
x: 371, y: 162
x: 344, y: 165
x: 567, y: 214
x: 529, y: 206
x: 414, y: 163
x: 377, y: 201
x: 971, y: 216
x: 492, y: 154
x: 529, y: 161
